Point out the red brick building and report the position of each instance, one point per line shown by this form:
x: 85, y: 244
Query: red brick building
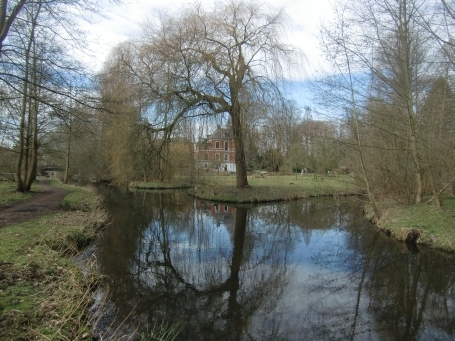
x: 217, y: 151
x: 220, y: 213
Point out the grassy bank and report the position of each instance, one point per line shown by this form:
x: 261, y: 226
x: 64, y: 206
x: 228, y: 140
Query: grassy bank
x: 423, y: 224
x: 158, y: 185
x: 43, y: 295
x: 8, y: 193
x: 272, y: 188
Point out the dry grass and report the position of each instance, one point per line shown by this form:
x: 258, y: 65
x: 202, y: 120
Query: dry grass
x: 43, y: 294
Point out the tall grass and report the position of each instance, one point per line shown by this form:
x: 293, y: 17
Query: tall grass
x: 43, y: 294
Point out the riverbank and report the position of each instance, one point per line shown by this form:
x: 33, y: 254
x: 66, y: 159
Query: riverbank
x: 272, y: 188
x: 422, y: 224
x: 158, y: 185
x: 43, y: 294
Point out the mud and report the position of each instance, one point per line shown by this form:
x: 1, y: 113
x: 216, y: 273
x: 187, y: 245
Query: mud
x: 47, y: 201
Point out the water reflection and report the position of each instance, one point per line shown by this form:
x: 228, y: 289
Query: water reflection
x: 302, y: 270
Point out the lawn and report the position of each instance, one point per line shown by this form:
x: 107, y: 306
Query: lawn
x: 159, y: 185
x: 272, y: 188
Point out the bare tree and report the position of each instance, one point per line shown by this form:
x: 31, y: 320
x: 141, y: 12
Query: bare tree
x: 198, y: 62
x: 25, y: 97
x: 438, y: 128
x: 386, y: 47
x: 7, y: 16
x: 36, y: 66
x: 341, y: 52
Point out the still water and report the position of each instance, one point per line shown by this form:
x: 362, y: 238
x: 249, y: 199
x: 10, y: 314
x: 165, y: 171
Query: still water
x: 303, y: 270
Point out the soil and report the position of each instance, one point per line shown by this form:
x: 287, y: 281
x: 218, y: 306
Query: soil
x: 47, y: 201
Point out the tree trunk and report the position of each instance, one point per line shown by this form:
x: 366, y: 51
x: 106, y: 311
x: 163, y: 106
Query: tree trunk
x: 33, y: 129
x: 34, y: 154
x: 27, y: 137
x: 436, y: 195
x: 20, y: 183
x: 405, y: 60
x: 418, y: 197
x: 240, y: 164
x: 68, y: 153
x: 6, y: 22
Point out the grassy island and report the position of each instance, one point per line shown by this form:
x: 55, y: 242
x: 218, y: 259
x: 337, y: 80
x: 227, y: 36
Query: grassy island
x: 266, y: 188
x: 158, y: 185
x: 421, y: 224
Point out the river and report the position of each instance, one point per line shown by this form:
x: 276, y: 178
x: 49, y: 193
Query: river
x: 303, y: 270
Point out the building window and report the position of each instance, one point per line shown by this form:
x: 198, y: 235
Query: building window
x: 205, y: 165
x: 217, y: 157
x: 226, y: 145
x: 206, y: 156
x: 217, y: 144
x: 226, y: 157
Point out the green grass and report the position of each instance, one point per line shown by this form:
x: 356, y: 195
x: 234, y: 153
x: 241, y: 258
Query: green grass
x: 79, y: 198
x: 158, y: 185
x: 9, y: 195
x: 161, y: 332
x: 435, y: 226
x: 272, y: 188
x: 43, y: 295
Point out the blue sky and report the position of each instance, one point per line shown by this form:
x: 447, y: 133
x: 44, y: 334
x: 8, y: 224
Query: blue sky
x: 300, y: 91
x: 119, y: 23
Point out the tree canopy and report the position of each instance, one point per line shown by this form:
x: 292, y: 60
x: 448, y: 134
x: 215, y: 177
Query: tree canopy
x: 201, y: 61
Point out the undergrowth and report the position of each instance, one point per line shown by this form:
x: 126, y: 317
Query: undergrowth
x: 43, y: 294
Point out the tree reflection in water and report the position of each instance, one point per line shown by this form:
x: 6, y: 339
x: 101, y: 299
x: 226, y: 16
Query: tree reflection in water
x: 379, y: 290
x: 301, y: 270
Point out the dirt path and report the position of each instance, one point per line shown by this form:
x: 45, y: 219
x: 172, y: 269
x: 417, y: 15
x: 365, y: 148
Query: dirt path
x: 45, y: 202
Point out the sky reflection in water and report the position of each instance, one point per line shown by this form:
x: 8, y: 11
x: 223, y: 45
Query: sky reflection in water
x: 304, y: 270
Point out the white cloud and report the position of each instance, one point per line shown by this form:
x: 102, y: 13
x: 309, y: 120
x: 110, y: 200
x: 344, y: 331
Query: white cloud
x: 123, y: 21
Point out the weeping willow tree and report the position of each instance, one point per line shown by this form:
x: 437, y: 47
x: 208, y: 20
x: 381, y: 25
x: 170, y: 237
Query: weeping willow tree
x: 197, y: 61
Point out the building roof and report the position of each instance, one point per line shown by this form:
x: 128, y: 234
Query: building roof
x: 221, y: 134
